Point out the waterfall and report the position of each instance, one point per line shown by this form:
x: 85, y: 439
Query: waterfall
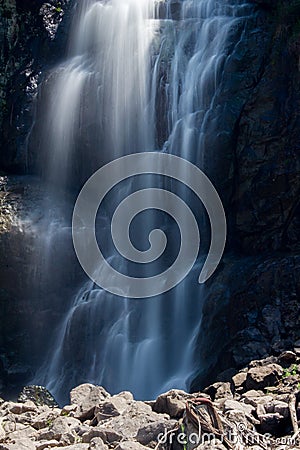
x: 141, y: 75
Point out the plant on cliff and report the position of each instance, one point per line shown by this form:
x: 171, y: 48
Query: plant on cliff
x: 58, y: 8
x: 291, y: 371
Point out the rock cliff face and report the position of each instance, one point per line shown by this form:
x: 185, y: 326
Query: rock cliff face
x: 30, y: 305
x: 252, y: 306
x: 29, y: 45
x: 28, y: 48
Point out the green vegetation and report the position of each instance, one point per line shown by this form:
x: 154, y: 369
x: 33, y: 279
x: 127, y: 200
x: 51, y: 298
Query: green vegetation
x: 290, y: 372
x: 183, y: 432
x: 58, y: 8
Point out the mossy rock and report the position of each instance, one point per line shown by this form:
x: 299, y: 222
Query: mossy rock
x: 39, y: 395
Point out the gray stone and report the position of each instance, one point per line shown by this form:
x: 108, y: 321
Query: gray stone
x: 297, y: 351
x: 112, y: 407
x: 87, y: 397
x: 45, y: 418
x: 84, y: 428
x: 22, y: 444
x: 47, y: 444
x: 107, y: 434
x: 45, y: 435
x: 216, y: 445
x: 130, y: 445
x: 68, y: 410
x: 91, y: 434
x: 239, y: 379
x: 97, y: 444
x: 74, y: 447
x: 281, y: 408
x: 253, y: 393
x: 126, y: 395
x: 264, y: 376
x: 150, y: 432
x: 63, y: 427
x: 259, y: 400
x: 248, y: 409
x: 219, y: 391
x: 236, y: 416
x: 68, y: 438
x: 261, y: 411
x: 20, y: 408
x: 22, y: 433
x: 172, y: 403
x: 137, y: 416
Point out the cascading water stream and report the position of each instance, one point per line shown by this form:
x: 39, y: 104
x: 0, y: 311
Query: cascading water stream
x: 142, y: 75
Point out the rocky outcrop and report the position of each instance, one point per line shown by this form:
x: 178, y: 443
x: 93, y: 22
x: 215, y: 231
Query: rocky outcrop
x: 26, y: 306
x: 251, y: 311
x: 254, y: 159
x: 37, y: 394
x: 28, y: 47
x: 252, y: 304
x: 259, y: 406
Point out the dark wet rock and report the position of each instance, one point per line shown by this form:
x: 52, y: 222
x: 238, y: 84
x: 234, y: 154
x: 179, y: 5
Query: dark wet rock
x: 255, y: 291
x: 286, y: 359
x: 269, y: 423
x: 268, y: 4
x: 38, y: 395
x: 28, y: 48
x: 251, y: 308
x: 171, y: 11
x: 22, y: 223
x: 262, y: 377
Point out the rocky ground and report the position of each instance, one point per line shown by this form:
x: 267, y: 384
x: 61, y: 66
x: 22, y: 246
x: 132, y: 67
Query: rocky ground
x: 258, y: 409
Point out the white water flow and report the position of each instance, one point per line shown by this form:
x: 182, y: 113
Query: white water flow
x: 142, y: 75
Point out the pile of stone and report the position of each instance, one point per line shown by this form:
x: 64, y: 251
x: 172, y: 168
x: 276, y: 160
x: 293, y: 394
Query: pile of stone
x: 262, y: 399
x: 93, y: 420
